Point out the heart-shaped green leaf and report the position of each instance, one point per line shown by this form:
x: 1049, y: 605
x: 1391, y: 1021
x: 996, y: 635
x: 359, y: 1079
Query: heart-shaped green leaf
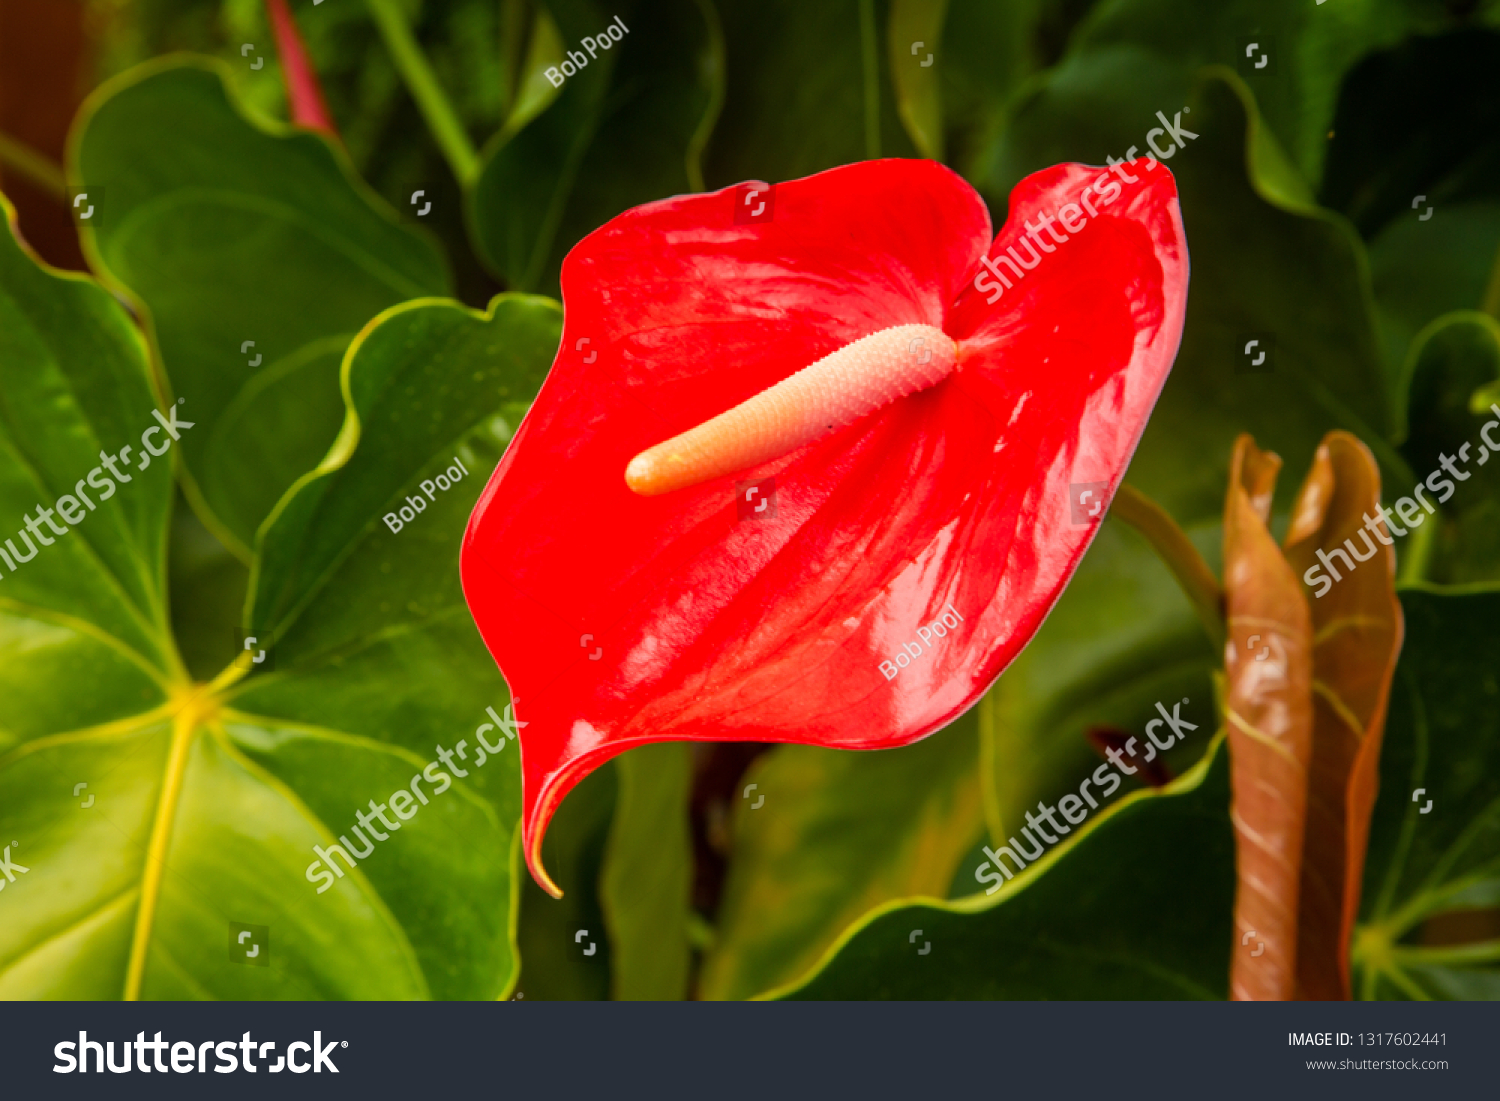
x: 189, y: 866
x: 257, y: 255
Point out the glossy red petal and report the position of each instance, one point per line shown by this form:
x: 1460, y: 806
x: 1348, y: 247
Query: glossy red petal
x: 619, y: 619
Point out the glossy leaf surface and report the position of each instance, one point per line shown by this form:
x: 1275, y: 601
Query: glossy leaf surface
x: 205, y: 802
x: 256, y: 355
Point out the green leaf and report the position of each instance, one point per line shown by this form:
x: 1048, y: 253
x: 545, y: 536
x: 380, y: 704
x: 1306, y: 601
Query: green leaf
x: 73, y: 383
x: 1122, y: 638
x: 1416, y: 120
x: 982, y: 54
x: 1134, y: 904
x: 647, y: 878
x: 1452, y: 374
x: 1152, y: 49
x: 1424, y: 270
x: 429, y: 377
x: 803, y: 91
x: 1413, y: 164
x: 302, y: 255
x: 1442, y: 736
x: 916, y: 27
x: 838, y: 834
x: 555, y: 933
x: 210, y: 799
x: 207, y: 585
x: 624, y: 130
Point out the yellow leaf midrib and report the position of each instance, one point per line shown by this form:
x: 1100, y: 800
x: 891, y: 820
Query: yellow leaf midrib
x: 195, y: 705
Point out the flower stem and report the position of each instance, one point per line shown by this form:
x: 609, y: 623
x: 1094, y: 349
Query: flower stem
x: 1175, y: 549
x: 442, y: 120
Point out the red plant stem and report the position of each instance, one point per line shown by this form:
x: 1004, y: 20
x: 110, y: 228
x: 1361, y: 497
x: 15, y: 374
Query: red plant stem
x: 303, y: 91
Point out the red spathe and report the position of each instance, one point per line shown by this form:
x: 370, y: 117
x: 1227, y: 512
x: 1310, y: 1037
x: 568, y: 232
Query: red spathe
x: 619, y: 619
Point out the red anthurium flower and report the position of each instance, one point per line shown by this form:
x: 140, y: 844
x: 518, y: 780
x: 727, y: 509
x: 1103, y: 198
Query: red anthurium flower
x: 812, y: 465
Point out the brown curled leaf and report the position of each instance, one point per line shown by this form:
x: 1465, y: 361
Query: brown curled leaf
x: 1268, y: 664
x: 1357, y: 632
